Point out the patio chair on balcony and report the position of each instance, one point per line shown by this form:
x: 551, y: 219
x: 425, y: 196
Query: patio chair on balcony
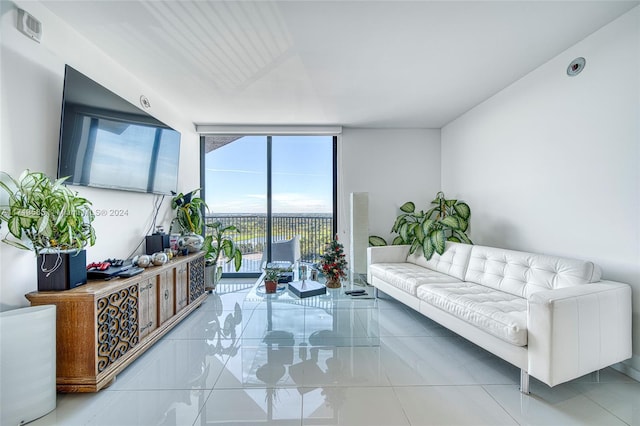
x: 285, y: 251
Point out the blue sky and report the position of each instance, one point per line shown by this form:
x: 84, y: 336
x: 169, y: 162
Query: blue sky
x: 235, y: 175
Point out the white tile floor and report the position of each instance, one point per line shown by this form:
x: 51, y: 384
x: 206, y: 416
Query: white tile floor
x: 215, y: 368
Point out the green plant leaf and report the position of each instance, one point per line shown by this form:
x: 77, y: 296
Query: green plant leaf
x: 453, y: 239
x: 450, y: 222
x: 397, y: 241
x: 431, y: 211
x: 16, y: 244
x: 14, y: 227
x: 43, y: 223
x: 408, y: 207
x: 427, y: 248
x: 450, y: 203
x: 376, y: 241
x: 404, y: 232
x: 463, y: 210
x: 463, y: 237
x: 400, y: 220
x: 438, y: 240
x: 418, y: 232
x: 463, y: 224
x: 414, y: 246
x: 427, y: 226
x: 237, y: 257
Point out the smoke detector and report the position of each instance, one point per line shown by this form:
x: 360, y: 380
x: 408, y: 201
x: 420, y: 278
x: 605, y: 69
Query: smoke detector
x: 576, y: 66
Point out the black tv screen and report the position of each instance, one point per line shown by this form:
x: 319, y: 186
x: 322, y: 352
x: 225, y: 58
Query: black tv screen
x: 107, y: 142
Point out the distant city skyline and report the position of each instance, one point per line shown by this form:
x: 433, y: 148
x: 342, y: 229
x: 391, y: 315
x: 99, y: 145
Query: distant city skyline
x: 302, y: 174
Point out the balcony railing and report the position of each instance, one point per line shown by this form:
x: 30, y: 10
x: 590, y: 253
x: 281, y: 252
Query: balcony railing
x: 314, y: 230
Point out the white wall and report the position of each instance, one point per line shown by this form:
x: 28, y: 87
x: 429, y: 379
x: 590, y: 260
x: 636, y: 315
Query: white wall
x: 393, y: 166
x: 551, y: 164
x: 31, y: 81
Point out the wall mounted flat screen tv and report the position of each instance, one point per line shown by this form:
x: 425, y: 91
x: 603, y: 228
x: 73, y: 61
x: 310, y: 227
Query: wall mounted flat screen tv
x: 107, y: 142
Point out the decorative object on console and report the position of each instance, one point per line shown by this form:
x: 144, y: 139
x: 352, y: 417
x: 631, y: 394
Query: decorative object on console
x: 334, y: 264
x: 190, y: 243
x: 216, y: 243
x: 159, y: 259
x: 142, y: 261
x: 447, y: 221
x: 45, y: 216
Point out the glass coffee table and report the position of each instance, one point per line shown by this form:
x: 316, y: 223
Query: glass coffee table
x: 333, y: 318
x: 286, y: 338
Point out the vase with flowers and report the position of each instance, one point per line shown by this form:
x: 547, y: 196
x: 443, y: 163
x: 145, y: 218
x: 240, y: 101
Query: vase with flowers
x: 334, y: 263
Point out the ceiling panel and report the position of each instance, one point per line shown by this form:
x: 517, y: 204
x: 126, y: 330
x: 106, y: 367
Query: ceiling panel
x: 352, y: 63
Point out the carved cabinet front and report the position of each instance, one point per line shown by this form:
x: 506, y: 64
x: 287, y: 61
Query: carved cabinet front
x: 103, y: 326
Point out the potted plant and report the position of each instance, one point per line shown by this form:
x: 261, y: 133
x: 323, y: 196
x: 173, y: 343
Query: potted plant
x: 215, y: 244
x: 271, y: 276
x: 45, y: 216
x: 448, y: 220
x: 334, y: 264
x: 189, y: 216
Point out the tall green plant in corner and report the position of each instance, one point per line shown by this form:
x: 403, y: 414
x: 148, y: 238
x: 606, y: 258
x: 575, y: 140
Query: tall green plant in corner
x: 448, y: 220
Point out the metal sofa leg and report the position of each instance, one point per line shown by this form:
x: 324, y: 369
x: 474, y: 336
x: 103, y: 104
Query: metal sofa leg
x: 524, y: 382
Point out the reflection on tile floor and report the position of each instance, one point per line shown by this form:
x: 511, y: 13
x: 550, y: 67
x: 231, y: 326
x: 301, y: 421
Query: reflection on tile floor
x: 374, y: 362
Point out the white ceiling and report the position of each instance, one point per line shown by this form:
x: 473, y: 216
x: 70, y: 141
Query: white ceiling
x: 351, y: 63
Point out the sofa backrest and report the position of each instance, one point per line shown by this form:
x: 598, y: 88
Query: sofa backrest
x: 523, y: 274
x: 452, y: 262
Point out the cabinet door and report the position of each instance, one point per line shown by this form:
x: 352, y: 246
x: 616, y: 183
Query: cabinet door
x: 117, y: 325
x: 196, y: 278
x: 148, y: 307
x: 166, y: 295
x: 182, y: 287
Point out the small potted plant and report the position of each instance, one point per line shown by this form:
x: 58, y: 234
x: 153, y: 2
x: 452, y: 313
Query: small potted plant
x: 216, y: 244
x: 334, y: 264
x: 271, y: 276
x: 45, y: 216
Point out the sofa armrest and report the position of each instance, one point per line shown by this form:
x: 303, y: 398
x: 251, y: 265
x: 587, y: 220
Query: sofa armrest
x: 576, y: 330
x: 386, y: 254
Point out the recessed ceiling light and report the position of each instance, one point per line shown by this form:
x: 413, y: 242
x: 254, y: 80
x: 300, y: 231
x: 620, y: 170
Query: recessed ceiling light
x: 576, y: 66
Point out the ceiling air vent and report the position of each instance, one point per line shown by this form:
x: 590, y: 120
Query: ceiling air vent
x: 29, y: 25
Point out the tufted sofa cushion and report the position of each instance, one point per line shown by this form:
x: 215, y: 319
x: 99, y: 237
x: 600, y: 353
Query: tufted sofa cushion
x: 522, y: 274
x: 407, y: 276
x: 452, y: 262
x: 501, y: 314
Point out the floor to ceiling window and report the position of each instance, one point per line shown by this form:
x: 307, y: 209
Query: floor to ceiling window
x: 275, y: 190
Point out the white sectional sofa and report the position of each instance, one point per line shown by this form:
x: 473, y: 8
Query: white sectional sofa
x: 551, y: 317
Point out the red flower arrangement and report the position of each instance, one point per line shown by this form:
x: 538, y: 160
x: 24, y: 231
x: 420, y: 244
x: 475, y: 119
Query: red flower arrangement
x: 334, y: 263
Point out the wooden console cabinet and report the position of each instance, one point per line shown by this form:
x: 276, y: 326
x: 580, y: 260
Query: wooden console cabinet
x: 103, y: 326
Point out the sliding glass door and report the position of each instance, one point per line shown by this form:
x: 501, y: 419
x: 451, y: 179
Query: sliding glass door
x: 278, y: 190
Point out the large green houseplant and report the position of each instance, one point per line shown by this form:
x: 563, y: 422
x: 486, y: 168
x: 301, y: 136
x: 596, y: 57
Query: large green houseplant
x: 217, y: 243
x: 45, y: 216
x: 448, y: 220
